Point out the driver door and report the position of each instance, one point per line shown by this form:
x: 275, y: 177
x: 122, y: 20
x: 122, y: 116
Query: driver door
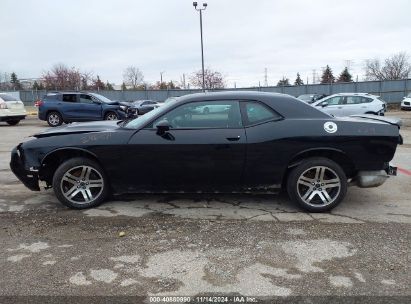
x: 201, y: 151
x: 334, y: 106
x: 90, y: 108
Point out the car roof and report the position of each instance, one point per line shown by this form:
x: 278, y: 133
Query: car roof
x: 69, y: 92
x: 284, y: 104
x: 354, y: 94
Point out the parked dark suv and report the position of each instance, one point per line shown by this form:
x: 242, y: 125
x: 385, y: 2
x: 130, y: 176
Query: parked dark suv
x: 59, y: 107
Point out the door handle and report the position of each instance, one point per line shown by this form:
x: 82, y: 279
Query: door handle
x: 234, y: 138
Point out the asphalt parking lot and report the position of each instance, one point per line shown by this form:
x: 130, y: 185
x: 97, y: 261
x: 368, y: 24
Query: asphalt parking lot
x: 187, y: 245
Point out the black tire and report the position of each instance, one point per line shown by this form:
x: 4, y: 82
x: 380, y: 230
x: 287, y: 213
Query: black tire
x: 111, y: 116
x: 329, y: 190
x: 13, y: 122
x: 54, y: 119
x: 79, y: 188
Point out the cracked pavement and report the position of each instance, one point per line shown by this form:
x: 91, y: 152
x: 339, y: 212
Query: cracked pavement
x: 186, y: 244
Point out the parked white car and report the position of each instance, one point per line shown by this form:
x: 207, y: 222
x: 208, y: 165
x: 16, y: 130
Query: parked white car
x: 11, y: 109
x: 345, y: 104
x: 212, y: 108
x: 406, y: 102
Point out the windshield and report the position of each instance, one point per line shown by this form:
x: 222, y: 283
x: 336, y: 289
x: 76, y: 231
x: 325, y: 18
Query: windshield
x: 170, y: 99
x: 306, y: 97
x: 141, y: 121
x: 7, y: 97
x: 102, y: 98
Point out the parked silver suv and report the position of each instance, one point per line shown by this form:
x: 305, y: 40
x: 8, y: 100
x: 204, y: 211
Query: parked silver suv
x: 345, y: 104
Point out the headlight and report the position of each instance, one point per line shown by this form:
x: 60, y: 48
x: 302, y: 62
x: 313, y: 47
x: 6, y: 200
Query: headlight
x: 124, y: 108
x: 3, y: 105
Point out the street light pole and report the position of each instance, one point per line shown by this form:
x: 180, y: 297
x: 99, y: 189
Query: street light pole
x: 201, y: 33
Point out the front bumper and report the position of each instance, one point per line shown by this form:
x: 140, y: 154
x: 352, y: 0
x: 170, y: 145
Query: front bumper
x: 369, y: 179
x: 28, y: 178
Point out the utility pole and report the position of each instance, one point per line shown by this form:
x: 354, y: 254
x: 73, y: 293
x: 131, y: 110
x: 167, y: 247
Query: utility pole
x: 161, y: 78
x: 314, y: 74
x: 265, y: 78
x: 201, y: 33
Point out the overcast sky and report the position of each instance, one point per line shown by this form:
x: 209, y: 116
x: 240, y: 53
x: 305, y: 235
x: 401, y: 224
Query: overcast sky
x: 242, y: 38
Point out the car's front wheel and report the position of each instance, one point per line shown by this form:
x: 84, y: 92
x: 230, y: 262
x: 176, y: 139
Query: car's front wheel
x: 13, y: 122
x: 54, y: 119
x: 317, y: 184
x: 111, y: 116
x: 80, y: 183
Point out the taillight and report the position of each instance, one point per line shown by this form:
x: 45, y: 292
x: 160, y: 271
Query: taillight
x: 3, y: 105
x: 38, y: 103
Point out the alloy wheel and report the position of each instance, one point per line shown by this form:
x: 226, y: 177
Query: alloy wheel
x: 111, y: 116
x: 318, y: 186
x: 82, y: 184
x: 54, y: 119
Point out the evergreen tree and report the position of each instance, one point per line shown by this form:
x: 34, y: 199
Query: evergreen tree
x: 123, y: 86
x: 98, y: 84
x: 109, y: 86
x: 15, y: 81
x: 327, y: 76
x: 283, y: 82
x: 298, y: 81
x: 35, y: 86
x: 345, y: 76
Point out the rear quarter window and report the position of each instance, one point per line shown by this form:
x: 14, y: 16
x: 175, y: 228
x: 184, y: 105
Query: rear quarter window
x: 52, y: 97
x: 256, y: 113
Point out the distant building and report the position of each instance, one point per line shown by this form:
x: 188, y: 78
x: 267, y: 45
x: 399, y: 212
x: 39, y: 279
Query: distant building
x: 27, y: 83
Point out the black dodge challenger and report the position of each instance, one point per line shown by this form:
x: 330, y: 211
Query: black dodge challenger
x: 246, y: 141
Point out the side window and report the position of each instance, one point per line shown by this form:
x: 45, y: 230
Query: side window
x: 353, y: 100
x: 205, y: 114
x: 69, y: 97
x: 85, y: 98
x: 333, y: 101
x: 366, y: 99
x: 257, y: 113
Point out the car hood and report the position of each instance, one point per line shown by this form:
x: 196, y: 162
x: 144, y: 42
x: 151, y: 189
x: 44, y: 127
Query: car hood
x: 77, y: 128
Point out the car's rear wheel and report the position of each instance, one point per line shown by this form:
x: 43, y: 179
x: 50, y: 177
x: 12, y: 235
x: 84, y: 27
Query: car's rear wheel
x: 80, y: 183
x: 111, y: 116
x: 13, y: 122
x: 317, y: 184
x: 54, y: 119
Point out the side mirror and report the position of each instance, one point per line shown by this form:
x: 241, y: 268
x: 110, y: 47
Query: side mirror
x: 324, y: 104
x: 162, y: 127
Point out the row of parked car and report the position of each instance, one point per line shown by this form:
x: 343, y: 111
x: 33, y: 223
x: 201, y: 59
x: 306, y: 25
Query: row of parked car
x: 345, y: 104
x: 59, y: 107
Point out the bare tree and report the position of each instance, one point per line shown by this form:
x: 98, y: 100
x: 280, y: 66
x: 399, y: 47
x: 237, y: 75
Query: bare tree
x: 212, y: 79
x: 133, y: 76
x: 60, y: 77
x: 86, y: 80
x: 395, y: 67
x: 5, y: 81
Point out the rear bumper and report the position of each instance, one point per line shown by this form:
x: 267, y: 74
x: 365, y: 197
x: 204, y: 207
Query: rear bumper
x: 369, y: 179
x: 28, y: 178
x: 12, y: 117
